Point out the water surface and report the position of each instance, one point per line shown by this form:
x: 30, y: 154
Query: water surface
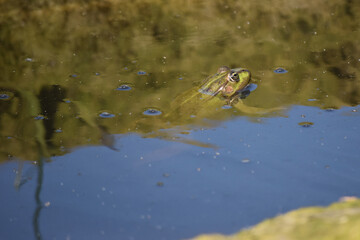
x: 92, y: 145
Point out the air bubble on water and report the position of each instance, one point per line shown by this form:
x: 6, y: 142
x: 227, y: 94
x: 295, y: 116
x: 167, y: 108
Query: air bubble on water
x: 39, y: 117
x: 141, y: 73
x: 124, y: 87
x: 106, y: 115
x: 152, y: 112
x: 280, y: 70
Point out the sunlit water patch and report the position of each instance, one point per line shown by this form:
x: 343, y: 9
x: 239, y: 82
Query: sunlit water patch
x: 280, y: 70
x: 152, y: 112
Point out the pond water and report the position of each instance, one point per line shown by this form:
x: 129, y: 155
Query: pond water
x: 101, y: 139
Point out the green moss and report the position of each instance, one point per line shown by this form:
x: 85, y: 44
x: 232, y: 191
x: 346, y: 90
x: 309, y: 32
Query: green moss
x: 338, y: 221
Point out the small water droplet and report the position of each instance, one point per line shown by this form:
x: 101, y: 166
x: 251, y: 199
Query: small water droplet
x: 306, y: 124
x: 152, y: 112
x: 280, y: 70
x: 124, y: 87
x: 106, y: 115
x: 141, y: 73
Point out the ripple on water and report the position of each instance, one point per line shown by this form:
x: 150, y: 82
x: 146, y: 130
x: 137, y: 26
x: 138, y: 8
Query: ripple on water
x: 152, y: 112
x: 280, y: 70
x: 106, y: 115
x: 124, y: 87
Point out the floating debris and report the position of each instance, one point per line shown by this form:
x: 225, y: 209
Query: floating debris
x: 280, y: 70
x: 106, y: 115
x: 306, y: 124
x: 152, y: 112
x: 245, y: 161
x: 160, y: 184
x: 124, y: 87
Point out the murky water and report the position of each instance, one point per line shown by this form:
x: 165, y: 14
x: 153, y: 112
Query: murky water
x: 97, y: 143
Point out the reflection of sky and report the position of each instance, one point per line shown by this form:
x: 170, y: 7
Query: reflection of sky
x: 258, y: 171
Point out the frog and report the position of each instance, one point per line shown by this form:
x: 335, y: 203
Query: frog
x: 225, y: 89
x: 216, y: 98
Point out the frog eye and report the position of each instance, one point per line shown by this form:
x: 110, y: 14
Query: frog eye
x: 234, y: 77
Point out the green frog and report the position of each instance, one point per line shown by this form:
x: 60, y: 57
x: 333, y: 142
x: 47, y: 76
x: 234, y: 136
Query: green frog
x: 221, y: 90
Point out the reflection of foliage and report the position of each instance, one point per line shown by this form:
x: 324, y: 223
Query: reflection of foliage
x: 44, y: 42
x: 338, y: 221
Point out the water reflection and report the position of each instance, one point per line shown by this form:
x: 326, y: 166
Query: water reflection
x: 51, y: 67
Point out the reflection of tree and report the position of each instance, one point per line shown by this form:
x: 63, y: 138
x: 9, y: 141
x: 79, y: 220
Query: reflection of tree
x: 46, y: 41
x: 39, y: 204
